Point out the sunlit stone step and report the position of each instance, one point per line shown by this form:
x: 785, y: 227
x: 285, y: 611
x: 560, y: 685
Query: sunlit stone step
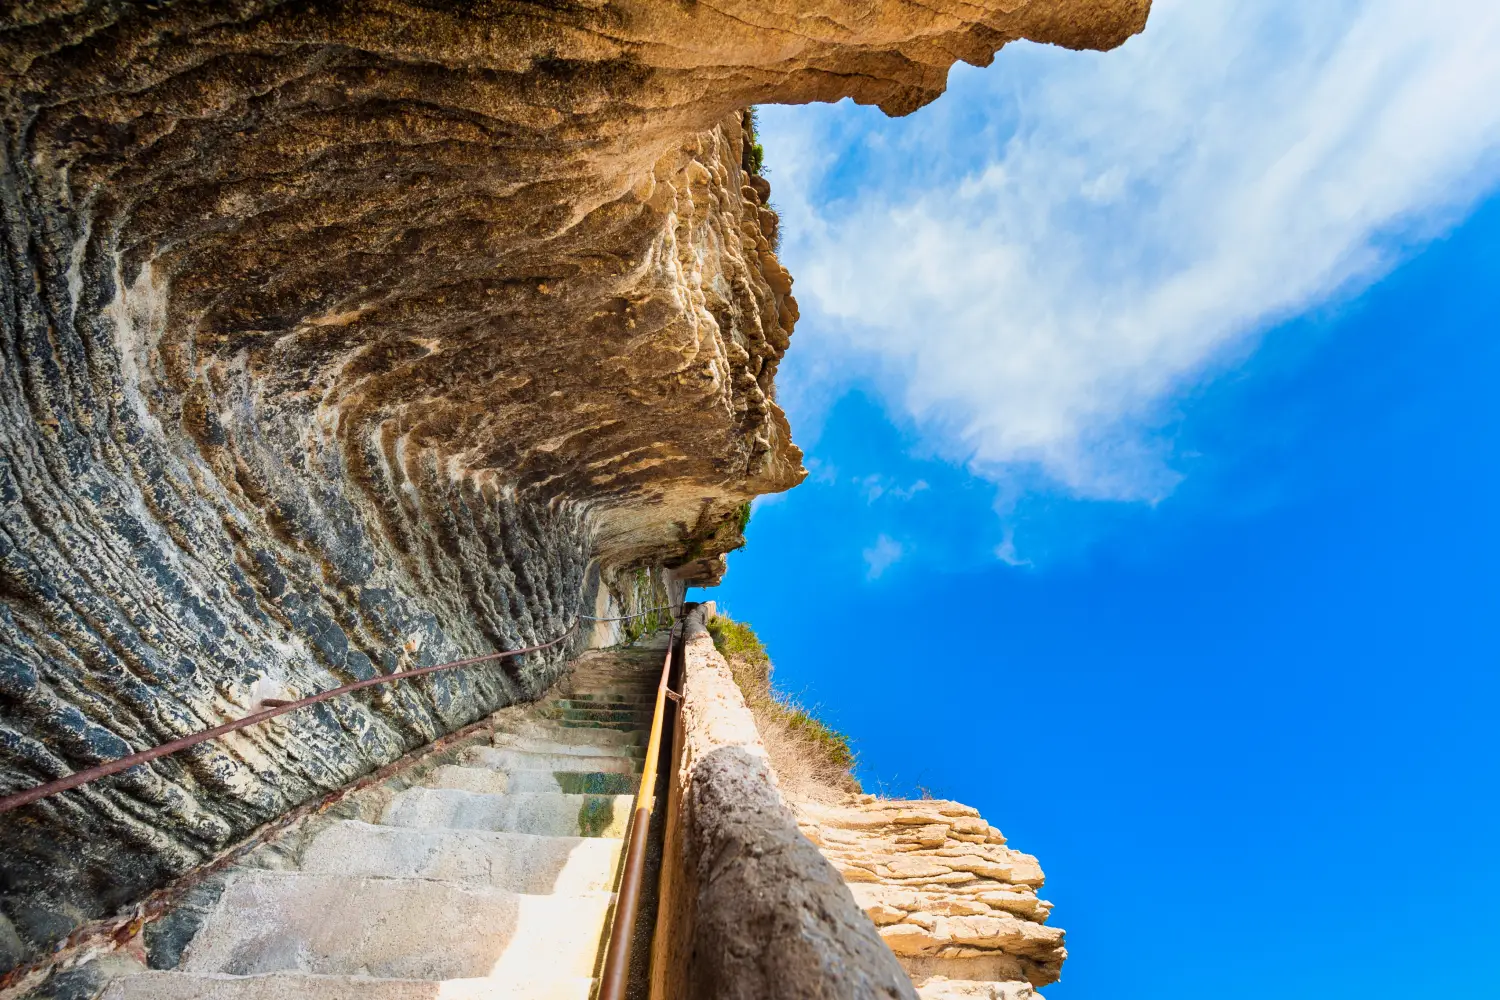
x: 638, y: 718
x: 549, y: 813
x: 590, y: 724
x: 395, y: 928
x: 517, y: 862
x: 291, y: 986
x: 512, y: 760
x: 491, y: 782
x: 555, y: 730
x: 546, y: 744
x: 579, y: 699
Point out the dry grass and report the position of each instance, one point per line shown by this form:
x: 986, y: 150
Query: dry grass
x: 810, y: 759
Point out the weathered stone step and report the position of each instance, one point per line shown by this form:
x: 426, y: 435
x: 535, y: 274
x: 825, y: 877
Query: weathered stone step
x: 491, y: 782
x: 594, y: 697
x: 517, y: 862
x: 604, y: 683
x: 553, y: 814
x: 485, y: 780
x: 551, y: 729
x: 602, y: 708
x: 291, y: 986
x: 624, y: 726
x: 544, y: 745
x: 581, y: 700
x: 637, y: 718
x: 633, y: 702
x: 639, y: 678
x: 513, y: 759
x: 395, y: 928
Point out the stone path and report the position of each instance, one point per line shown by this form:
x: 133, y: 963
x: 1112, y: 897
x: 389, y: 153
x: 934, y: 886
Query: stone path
x: 489, y: 874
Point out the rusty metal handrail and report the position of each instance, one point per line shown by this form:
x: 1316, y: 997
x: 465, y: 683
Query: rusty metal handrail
x: 615, y: 975
x: 273, y: 709
x: 633, y: 614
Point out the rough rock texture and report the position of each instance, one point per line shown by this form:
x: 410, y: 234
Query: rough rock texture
x: 326, y: 907
x: 956, y: 905
x: 749, y: 908
x: 336, y: 337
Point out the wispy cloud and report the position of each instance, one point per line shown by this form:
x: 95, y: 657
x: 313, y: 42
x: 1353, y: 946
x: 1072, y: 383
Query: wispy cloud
x: 881, y: 556
x: 1037, y: 262
x: 1006, y: 551
x: 877, y: 486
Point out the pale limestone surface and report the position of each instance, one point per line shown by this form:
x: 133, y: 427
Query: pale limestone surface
x: 957, y: 906
x: 942, y: 988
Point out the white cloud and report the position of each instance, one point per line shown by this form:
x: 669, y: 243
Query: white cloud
x: 876, y: 486
x: 1006, y: 551
x: 881, y: 556
x: 1037, y: 262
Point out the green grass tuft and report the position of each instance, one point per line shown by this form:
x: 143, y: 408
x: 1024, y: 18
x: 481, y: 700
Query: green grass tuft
x: 789, y: 729
x: 742, y: 518
x: 648, y: 594
x: 755, y: 153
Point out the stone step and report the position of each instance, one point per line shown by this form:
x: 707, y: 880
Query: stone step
x: 581, y: 700
x: 642, y: 706
x: 637, y: 718
x: 543, y: 745
x: 550, y: 729
x: 589, y: 724
x: 552, y: 814
x: 593, y: 689
x: 291, y: 986
x: 395, y: 928
x: 598, y: 695
x: 582, y: 783
x: 513, y: 759
x: 598, y: 709
x: 517, y: 862
x: 642, y: 675
x: 484, y: 780
x: 491, y: 782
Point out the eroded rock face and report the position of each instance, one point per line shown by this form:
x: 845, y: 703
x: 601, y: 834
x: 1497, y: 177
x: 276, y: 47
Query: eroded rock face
x: 340, y: 337
x: 957, y: 906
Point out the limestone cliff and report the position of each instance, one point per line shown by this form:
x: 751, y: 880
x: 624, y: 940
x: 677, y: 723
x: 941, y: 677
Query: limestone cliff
x: 957, y: 906
x: 338, y: 337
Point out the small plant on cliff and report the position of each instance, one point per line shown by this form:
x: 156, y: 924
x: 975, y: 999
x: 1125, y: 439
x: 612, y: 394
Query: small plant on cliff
x: 741, y: 522
x: 647, y: 594
x: 755, y: 153
x: 803, y: 749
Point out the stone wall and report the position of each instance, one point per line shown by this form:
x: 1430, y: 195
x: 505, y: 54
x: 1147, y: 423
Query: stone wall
x: 338, y: 337
x: 749, y: 909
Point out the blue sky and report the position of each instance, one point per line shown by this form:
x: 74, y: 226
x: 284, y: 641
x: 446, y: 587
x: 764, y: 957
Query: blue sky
x: 1193, y: 596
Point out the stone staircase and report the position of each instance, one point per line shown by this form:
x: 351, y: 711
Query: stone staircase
x: 488, y: 874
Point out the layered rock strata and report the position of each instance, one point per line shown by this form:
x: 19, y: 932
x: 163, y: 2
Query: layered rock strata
x: 341, y: 337
x: 958, y: 907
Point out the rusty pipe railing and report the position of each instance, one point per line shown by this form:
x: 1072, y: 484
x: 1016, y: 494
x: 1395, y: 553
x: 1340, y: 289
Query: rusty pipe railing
x: 615, y: 976
x: 273, y: 708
